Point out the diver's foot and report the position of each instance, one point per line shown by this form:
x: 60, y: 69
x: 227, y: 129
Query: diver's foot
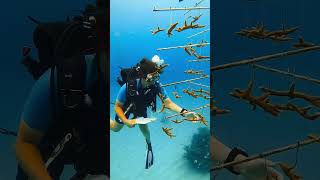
x: 149, y: 156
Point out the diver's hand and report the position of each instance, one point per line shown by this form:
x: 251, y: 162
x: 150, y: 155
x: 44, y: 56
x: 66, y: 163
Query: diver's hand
x: 257, y: 169
x: 191, y: 115
x: 130, y: 123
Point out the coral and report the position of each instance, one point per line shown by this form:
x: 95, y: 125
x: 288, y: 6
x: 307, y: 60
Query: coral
x: 197, y: 152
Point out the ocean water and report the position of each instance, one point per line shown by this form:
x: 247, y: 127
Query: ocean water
x: 15, y: 32
x: 131, y: 40
x: 257, y: 131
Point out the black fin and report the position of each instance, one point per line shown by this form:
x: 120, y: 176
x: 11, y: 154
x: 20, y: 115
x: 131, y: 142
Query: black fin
x: 149, y: 156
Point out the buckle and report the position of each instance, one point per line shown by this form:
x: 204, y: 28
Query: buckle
x: 71, y: 98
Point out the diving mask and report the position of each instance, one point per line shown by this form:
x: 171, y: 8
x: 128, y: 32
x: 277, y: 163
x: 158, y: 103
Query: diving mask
x: 153, y: 77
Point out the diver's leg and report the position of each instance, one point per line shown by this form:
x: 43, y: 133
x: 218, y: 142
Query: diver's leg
x: 149, y: 154
x: 145, y: 131
x: 115, y: 126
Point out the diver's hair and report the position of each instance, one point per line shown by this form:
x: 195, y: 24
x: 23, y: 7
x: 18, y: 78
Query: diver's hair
x: 147, y: 66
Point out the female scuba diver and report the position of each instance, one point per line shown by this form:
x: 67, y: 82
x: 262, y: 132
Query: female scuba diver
x: 138, y: 92
x: 79, y: 137
x: 259, y: 169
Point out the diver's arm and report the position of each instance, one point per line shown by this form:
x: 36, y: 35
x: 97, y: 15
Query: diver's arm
x: 121, y: 115
x: 28, y: 154
x: 219, y: 152
x: 255, y: 169
x: 172, y: 106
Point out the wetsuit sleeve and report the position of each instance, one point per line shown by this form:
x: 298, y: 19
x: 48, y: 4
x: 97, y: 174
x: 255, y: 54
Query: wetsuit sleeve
x: 122, y: 97
x: 37, y: 108
x: 162, y: 91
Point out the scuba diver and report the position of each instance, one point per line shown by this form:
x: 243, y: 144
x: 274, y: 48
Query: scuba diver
x: 140, y: 88
x: 64, y: 120
x: 48, y: 36
x: 257, y: 169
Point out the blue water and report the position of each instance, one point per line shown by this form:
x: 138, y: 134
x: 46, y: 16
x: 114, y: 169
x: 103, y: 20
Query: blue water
x: 257, y: 131
x: 15, y: 32
x: 131, y: 40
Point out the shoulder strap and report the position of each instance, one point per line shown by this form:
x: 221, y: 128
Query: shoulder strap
x: 131, y: 88
x: 63, y: 42
x: 71, y: 78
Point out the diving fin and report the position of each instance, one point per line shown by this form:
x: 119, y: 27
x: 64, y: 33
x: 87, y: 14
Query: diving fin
x: 149, y: 156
